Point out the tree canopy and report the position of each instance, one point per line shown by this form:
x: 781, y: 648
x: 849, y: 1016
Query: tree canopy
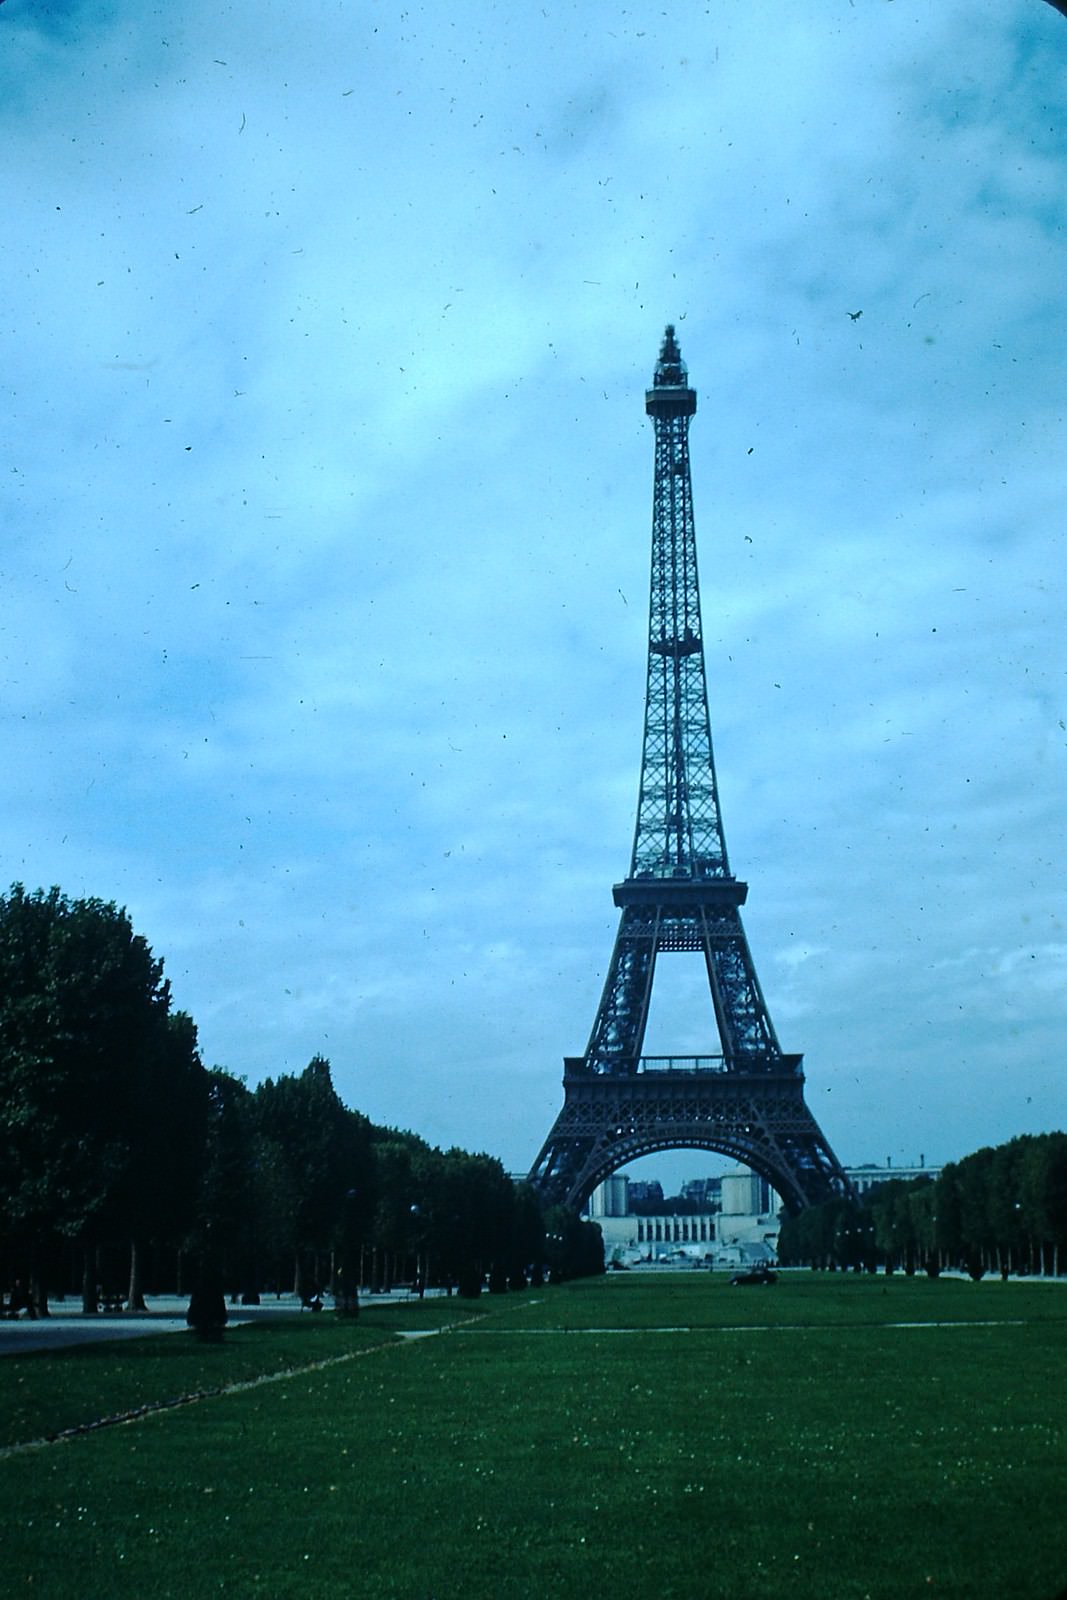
x: 102, y: 1092
x: 1001, y: 1208
x: 113, y: 1137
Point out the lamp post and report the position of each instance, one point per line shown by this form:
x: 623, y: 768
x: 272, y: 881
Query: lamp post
x: 346, y: 1293
x: 421, y: 1262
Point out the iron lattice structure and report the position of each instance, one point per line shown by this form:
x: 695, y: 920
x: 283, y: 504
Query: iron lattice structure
x: 747, y: 1102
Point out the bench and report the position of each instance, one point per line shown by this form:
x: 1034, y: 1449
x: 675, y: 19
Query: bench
x: 12, y: 1308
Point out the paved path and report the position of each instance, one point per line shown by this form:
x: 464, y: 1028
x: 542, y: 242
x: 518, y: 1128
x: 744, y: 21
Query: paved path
x: 68, y: 1325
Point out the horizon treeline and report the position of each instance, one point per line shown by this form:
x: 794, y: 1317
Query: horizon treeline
x: 1001, y: 1209
x: 127, y: 1167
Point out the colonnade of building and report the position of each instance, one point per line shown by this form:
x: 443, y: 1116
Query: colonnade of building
x: 674, y: 1230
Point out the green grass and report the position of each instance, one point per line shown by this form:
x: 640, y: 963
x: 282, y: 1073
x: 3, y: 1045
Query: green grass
x: 45, y: 1393
x: 825, y: 1454
x: 833, y: 1299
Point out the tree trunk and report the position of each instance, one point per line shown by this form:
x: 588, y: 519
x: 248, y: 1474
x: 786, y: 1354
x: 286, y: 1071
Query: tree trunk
x: 135, y: 1293
x: 207, y: 1304
x: 38, y: 1288
x: 90, y: 1299
x: 346, y: 1284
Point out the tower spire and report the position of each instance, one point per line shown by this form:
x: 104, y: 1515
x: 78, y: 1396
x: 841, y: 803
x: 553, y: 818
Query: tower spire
x: 678, y: 828
x: 680, y: 895
x: 671, y: 371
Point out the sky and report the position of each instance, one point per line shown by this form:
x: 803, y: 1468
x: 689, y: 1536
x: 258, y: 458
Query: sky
x: 325, y: 524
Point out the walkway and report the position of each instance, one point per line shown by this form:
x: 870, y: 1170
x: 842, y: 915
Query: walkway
x: 67, y: 1324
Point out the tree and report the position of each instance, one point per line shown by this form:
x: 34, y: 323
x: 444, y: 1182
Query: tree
x: 1043, y: 1195
x: 921, y: 1199
x: 89, y: 1057
x: 809, y: 1237
x: 234, y: 1201
x: 894, y: 1224
x: 974, y: 1186
x: 157, y: 1198
x: 948, y: 1216
x: 401, y: 1198
x: 527, y: 1239
x: 1004, y: 1204
x: 854, y: 1241
x: 474, y: 1206
x: 575, y: 1249
x: 322, y: 1153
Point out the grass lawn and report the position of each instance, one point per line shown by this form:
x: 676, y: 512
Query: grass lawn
x: 44, y: 1393
x: 659, y: 1435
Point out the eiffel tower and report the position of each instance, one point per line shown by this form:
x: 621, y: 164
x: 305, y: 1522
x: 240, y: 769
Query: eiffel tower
x: 748, y: 1102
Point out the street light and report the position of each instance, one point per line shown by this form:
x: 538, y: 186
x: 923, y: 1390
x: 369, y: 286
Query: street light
x: 346, y: 1294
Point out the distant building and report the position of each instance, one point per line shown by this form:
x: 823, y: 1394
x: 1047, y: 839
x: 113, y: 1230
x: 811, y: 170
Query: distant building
x: 611, y: 1198
x: 631, y: 1237
x: 866, y: 1178
x: 705, y: 1193
x: 743, y: 1192
x: 629, y: 1240
x: 644, y: 1195
x: 748, y: 1219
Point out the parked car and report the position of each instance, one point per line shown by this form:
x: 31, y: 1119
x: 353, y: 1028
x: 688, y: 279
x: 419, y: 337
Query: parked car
x: 755, y: 1275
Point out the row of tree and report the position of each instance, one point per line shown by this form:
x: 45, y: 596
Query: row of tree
x: 1001, y: 1209
x: 126, y: 1166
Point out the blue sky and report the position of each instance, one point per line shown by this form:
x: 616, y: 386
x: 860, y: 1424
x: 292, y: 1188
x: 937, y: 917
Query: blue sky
x: 325, y: 513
